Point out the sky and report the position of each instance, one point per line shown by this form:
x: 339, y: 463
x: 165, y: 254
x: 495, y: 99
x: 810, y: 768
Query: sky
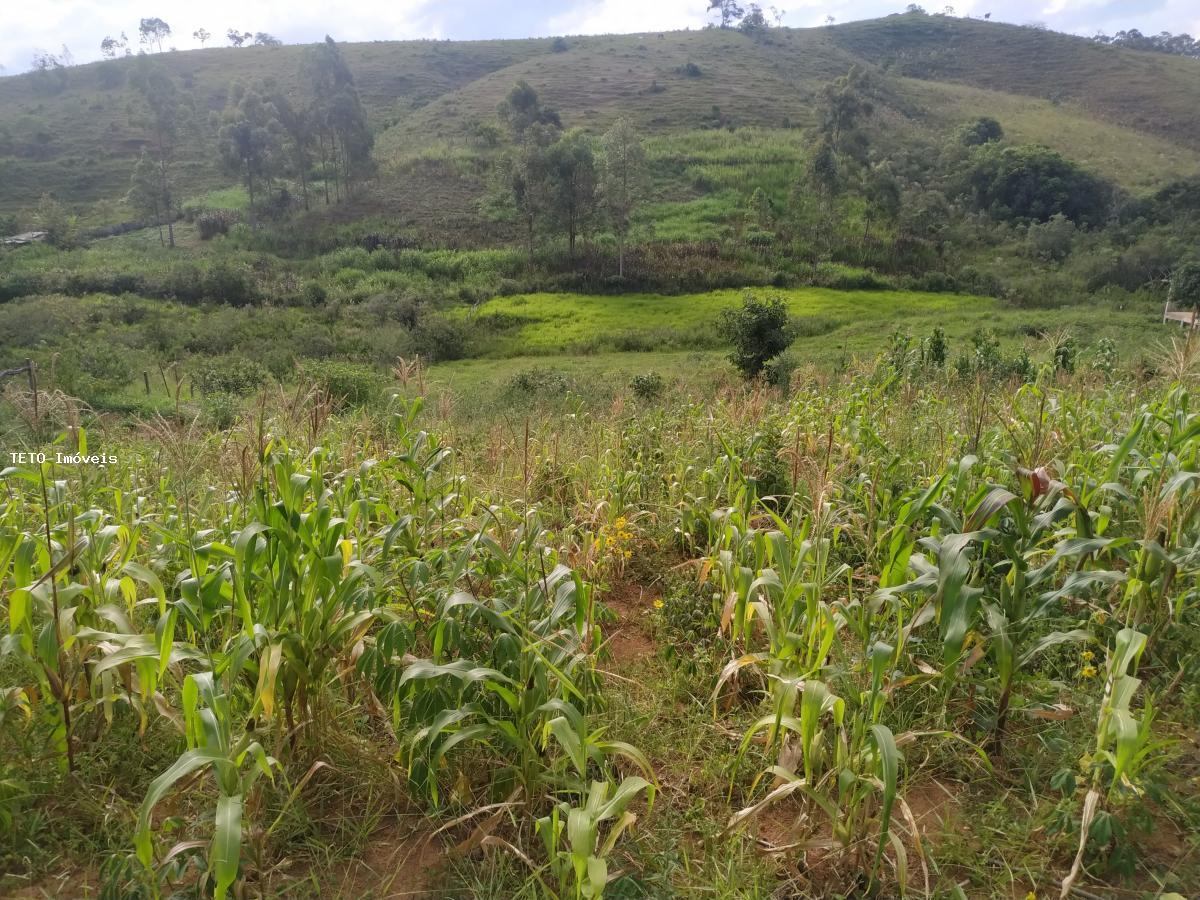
x: 47, y: 25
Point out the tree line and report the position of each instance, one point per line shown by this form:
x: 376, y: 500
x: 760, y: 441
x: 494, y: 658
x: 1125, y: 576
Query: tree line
x: 554, y: 180
x: 263, y: 135
x: 153, y: 31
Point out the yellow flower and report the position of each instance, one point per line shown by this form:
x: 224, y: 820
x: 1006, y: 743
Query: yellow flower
x: 627, y: 554
x: 1088, y: 672
x: 1031, y: 896
x: 1088, y: 655
x: 620, y: 523
x: 624, y: 535
x: 658, y: 604
x: 1101, y: 617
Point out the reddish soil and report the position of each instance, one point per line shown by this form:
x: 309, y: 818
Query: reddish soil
x: 398, y: 862
x: 629, y: 642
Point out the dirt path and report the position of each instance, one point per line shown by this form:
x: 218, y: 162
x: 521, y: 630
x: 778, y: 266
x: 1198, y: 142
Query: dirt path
x: 399, y: 861
x: 629, y: 640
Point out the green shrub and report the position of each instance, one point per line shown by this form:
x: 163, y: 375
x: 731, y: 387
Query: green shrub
x: 232, y: 284
x: 348, y: 384
x: 758, y: 331
x: 538, y: 381
x: 438, y: 338
x: 231, y: 375
x: 219, y: 410
x: 212, y: 222
x: 1185, y: 286
x: 648, y: 386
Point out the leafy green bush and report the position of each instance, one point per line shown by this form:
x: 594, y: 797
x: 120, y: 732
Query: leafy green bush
x: 647, y: 386
x: 232, y: 284
x: 230, y: 375
x: 219, y: 410
x: 1185, y: 286
x: 979, y: 131
x: 1035, y: 183
x: 349, y: 384
x: 439, y: 338
x: 758, y: 330
x: 213, y: 222
x: 538, y: 381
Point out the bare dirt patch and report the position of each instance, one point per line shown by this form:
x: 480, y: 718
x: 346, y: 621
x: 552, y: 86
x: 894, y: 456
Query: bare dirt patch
x: 628, y: 638
x: 398, y: 862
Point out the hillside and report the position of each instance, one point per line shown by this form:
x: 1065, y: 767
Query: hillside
x: 740, y: 463
x: 1129, y: 114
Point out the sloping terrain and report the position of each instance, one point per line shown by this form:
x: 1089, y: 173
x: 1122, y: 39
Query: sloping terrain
x: 1129, y: 115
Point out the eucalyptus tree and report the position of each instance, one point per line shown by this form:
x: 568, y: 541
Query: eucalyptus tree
x: 166, y: 114
x: 623, y: 181
x: 250, y: 138
x: 344, y: 139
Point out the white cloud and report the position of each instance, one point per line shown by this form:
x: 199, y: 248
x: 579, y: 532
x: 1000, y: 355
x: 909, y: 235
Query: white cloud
x: 1058, y: 7
x: 82, y: 24
x: 628, y: 16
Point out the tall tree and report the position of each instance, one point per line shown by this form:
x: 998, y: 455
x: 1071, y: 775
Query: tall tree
x: 299, y: 129
x: 165, y: 114
x: 881, y: 190
x: 152, y: 32
x: 571, y: 169
x: 145, y: 192
x: 728, y: 11
x: 344, y: 138
x: 1185, y: 289
x: 202, y: 35
x: 250, y: 138
x: 111, y: 47
x: 525, y: 176
x: 237, y: 38
x: 623, y: 181
x: 522, y: 108
x: 844, y: 104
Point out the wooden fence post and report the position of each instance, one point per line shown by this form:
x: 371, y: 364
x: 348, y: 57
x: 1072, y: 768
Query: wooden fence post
x: 29, y: 367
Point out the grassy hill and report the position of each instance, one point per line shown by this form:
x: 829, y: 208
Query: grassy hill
x: 1127, y: 114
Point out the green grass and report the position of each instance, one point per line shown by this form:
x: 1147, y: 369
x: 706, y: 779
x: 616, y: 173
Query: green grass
x: 1130, y: 157
x: 833, y: 324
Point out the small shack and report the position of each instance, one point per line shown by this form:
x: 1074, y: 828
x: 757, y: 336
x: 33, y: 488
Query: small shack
x: 1185, y: 317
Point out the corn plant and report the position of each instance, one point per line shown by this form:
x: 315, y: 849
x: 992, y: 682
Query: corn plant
x: 574, y: 840
x: 236, y: 761
x: 1124, y: 746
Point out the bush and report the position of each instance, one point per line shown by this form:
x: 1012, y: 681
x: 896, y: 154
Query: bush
x: 538, y: 382
x: 648, y: 386
x: 1051, y: 239
x: 1035, y: 183
x: 92, y: 370
x: 219, y: 410
x: 212, y: 222
x: 349, y: 384
x: 983, y: 130
x: 1185, y: 287
x: 313, y: 294
x: 438, y: 338
x: 758, y: 330
x: 231, y: 284
x: 234, y: 376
